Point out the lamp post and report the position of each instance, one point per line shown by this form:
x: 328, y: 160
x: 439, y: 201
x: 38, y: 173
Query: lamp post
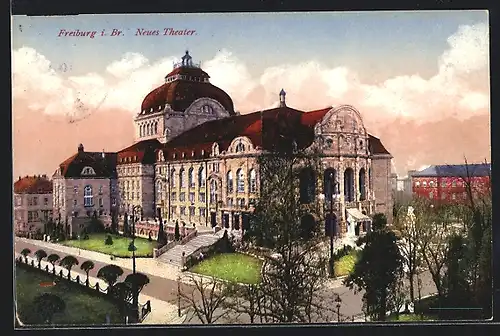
x: 339, y: 301
x: 133, y: 248
x: 179, y: 296
x: 331, y: 222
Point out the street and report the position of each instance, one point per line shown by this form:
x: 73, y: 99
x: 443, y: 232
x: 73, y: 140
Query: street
x: 166, y: 289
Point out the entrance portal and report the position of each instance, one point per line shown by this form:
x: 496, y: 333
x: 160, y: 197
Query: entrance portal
x: 213, y: 219
x: 225, y: 220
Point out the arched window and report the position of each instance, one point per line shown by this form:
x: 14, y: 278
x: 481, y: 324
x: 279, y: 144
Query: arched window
x: 362, y: 187
x: 307, y: 224
x: 330, y: 186
x: 240, y: 147
x: 307, y: 185
x: 349, y: 185
x: 172, y: 178
x: 240, y: 180
x: 156, y: 127
x: 191, y: 178
x: 181, y: 178
x: 253, y: 181
x: 140, y: 130
x: 213, y: 191
x: 201, y: 177
x: 88, y: 197
x: 229, y: 182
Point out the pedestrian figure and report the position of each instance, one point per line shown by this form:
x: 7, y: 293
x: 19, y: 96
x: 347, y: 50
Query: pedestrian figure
x: 201, y: 256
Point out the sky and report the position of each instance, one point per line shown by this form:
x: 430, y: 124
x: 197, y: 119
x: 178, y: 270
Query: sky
x: 419, y: 79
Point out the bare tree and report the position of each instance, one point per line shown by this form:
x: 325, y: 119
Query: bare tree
x: 206, y: 297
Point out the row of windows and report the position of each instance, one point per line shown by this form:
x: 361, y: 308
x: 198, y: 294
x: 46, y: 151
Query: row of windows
x: 148, y: 129
x: 75, y: 189
x: 128, y: 170
x: 32, y: 201
x: 444, y: 184
x: 454, y: 196
x: 89, y: 201
x: 192, y: 211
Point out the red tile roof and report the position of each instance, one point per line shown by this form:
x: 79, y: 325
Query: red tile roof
x: 188, y: 71
x: 311, y: 118
x: 142, y: 151
x: 33, y: 185
x: 180, y: 94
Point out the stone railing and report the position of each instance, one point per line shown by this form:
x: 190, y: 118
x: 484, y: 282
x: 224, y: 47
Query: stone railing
x: 168, y: 246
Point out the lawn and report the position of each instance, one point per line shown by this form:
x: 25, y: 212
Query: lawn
x: 234, y: 267
x: 345, y: 265
x: 81, y: 307
x: 410, y: 317
x: 119, y: 247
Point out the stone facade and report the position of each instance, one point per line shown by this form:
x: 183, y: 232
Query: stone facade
x: 382, y: 185
x: 31, y: 211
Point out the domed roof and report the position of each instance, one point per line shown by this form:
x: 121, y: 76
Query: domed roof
x: 183, y: 85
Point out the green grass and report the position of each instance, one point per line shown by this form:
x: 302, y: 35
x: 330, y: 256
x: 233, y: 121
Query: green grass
x: 81, y: 307
x: 345, y: 265
x: 234, y: 267
x: 410, y: 317
x: 119, y: 247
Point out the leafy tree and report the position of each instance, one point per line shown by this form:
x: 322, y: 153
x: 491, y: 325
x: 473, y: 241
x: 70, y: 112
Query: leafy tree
x: 40, y: 254
x: 379, y: 269
x: 137, y: 280
x: 110, y: 274
x: 25, y: 253
x: 48, y: 304
x: 109, y: 240
x: 68, y: 262
x: 161, y: 233
x: 53, y: 258
x: 87, y: 266
x: 177, y: 234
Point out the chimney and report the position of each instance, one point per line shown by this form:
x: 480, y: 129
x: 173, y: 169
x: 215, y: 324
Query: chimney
x: 19, y: 178
x: 44, y: 176
x: 282, y: 98
x: 103, y: 154
x: 80, y: 148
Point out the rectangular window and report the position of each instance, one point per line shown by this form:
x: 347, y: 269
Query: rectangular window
x: 101, y: 203
x: 453, y: 184
x: 46, y: 201
x: 191, y: 197
x: 191, y: 211
x: 443, y: 196
x: 173, y: 210
x: 183, y: 210
x: 443, y: 184
x: 174, y: 197
x: 202, y: 197
x: 229, y: 202
x: 202, y: 212
x: 113, y: 201
x: 75, y: 202
x: 30, y: 201
x: 19, y: 201
x: 182, y: 197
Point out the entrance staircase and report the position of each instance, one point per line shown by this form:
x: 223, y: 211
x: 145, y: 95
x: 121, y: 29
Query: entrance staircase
x: 174, y: 255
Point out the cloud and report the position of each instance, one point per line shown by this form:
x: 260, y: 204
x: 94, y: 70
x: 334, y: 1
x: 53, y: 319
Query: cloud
x: 457, y: 90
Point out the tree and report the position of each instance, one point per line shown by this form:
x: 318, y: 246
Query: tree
x: 48, y: 304
x: 161, y: 233
x: 124, y: 293
x: 177, y: 234
x: 411, y: 227
x: 110, y: 274
x: 40, y: 254
x: 137, y: 280
x: 53, y: 258
x: 126, y: 230
x: 87, y: 266
x: 206, y: 298
x: 68, y: 262
x: 379, y: 269
x: 109, y: 240
x: 25, y: 253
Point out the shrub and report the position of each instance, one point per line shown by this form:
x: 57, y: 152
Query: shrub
x: 86, y: 237
x: 109, y: 240
x: 149, y: 237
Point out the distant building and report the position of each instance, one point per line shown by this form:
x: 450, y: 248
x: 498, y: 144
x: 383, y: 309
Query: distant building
x: 32, y: 203
x: 447, y: 183
x: 85, y: 185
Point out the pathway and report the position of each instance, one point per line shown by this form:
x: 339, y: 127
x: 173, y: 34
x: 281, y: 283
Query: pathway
x: 174, y: 255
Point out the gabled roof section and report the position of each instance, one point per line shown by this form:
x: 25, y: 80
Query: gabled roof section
x: 33, y: 185
x: 103, y: 165
x: 141, y: 152
x: 376, y: 146
x: 470, y: 170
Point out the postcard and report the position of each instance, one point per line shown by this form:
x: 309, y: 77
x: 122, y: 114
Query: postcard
x: 251, y: 168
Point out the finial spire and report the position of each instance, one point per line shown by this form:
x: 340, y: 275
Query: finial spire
x: 282, y: 98
x: 187, y: 59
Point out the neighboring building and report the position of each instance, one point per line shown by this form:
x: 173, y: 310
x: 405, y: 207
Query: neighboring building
x: 447, y: 183
x: 85, y: 185
x: 195, y: 158
x: 32, y: 203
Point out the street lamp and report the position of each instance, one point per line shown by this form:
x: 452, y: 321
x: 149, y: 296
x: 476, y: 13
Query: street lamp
x: 339, y: 301
x: 132, y: 248
x: 333, y: 191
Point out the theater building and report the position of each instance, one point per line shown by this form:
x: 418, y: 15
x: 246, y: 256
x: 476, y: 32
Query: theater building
x: 195, y: 158
x: 448, y: 183
x: 32, y: 203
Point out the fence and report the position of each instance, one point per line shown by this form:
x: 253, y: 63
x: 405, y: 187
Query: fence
x: 106, y: 292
